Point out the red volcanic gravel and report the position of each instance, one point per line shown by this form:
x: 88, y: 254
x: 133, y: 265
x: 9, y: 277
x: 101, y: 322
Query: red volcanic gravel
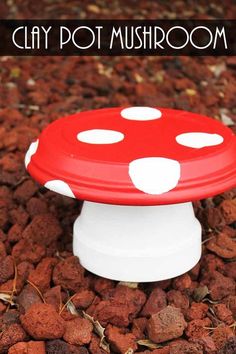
x: 78, y: 331
x: 28, y: 348
x: 166, y: 324
x: 48, y: 303
x: 42, y: 321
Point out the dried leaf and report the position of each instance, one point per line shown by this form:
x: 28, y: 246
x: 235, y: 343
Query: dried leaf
x: 158, y: 77
x: 100, y: 331
x: 200, y: 292
x: 148, y: 343
x: 7, y: 298
x: 210, y: 301
x: 190, y: 92
x: 15, y: 72
x: 217, y: 69
x: 93, y: 8
x: 138, y: 78
x: 130, y: 285
x: 71, y: 307
x: 224, y: 114
x: 129, y: 351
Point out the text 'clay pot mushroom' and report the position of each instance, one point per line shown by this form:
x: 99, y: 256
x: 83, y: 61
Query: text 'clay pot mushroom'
x: 138, y: 169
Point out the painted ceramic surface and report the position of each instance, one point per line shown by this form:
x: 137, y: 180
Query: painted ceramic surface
x: 135, y: 156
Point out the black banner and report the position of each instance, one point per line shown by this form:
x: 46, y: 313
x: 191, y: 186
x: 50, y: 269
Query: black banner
x: 118, y: 37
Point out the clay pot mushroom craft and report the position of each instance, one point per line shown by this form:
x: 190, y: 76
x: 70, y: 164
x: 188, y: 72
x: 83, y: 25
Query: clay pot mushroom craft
x: 138, y: 169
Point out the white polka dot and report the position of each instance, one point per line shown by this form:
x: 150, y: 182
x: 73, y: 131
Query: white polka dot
x: 100, y: 136
x: 140, y: 113
x: 199, y: 140
x: 154, y: 175
x: 60, y: 187
x: 31, y: 151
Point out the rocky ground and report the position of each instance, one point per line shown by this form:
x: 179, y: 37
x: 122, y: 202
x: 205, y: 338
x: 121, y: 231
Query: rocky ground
x: 48, y: 302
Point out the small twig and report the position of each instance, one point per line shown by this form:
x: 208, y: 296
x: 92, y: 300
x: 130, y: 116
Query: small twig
x: 233, y: 325
x: 100, y: 330
x: 207, y: 239
x: 57, y: 254
x: 24, y: 178
x: 6, y: 291
x: 37, y: 289
x: 64, y: 306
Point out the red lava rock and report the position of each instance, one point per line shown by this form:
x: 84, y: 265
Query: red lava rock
x: 138, y: 327
x: 228, y: 210
x: 214, y: 218
x: 229, y: 231
x: 155, y: 302
x: 222, y: 245
x: 183, y: 347
x: 210, y: 263
x: 6, y: 269
x: 53, y: 297
x: 10, y: 317
x: 121, y: 307
x: 28, y: 348
x: 182, y: 282
x: 3, y: 252
x: 41, y: 276
x: 19, y: 216
x: 229, y: 347
x: 165, y: 350
x: 10, y: 284
x: 221, y: 335
x: 94, y: 346
x: 194, y: 272
x: 42, y: 321
x: 26, y: 250
x: 100, y: 285
x: 15, y: 233
x: 2, y: 308
x: 67, y: 315
x: 69, y: 274
x: 163, y: 284
x: 11, y: 335
x: 120, y: 340
x: 143, y: 89
x: 230, y: 302
x: 58, y: 346
x: 3, y: 216
x: 197, y: 311
x: 83, y: 299
x: 23, y: 270
x: 230, y: 270
x: 3, y: 236
x: 223, y: 313
x: 207, y: 344
x: 78, y: 331
x: 107, y: 312
x: 167, y: 324
x: 231, y: 61
x: 25, y: 191
x: 9, y: 162
x: 27, y: 297
x: 43, y: 229
x: 198, y: 328
x: 36, y: 206
x: 177, y: 299
x: 220, y: 286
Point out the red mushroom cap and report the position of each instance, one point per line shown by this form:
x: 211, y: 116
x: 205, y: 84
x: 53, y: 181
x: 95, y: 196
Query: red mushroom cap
x: 135, y: 156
